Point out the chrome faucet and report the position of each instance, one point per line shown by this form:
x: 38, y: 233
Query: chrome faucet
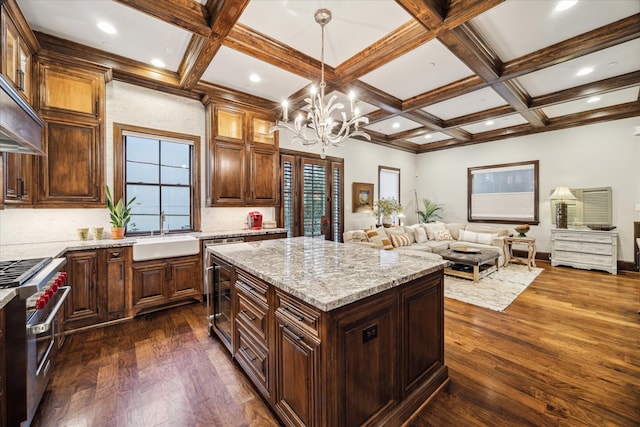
x: 163, y: 218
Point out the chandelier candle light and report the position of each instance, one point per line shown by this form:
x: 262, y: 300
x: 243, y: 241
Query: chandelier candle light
x: 319, y: 125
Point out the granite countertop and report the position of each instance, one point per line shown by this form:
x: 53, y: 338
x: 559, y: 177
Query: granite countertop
x: 9, y: 252
x: 326, y: 274
x: 12, y: 252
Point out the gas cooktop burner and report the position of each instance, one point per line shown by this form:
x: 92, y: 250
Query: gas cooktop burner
x: 16, y: 273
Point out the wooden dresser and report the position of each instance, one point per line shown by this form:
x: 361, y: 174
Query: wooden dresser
x: 586, y: 249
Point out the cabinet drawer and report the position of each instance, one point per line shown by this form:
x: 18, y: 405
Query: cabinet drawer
x: 255, y: 359
x: 253, y: 316
x: 252, y: 287
x: 584, y: 247
x: 298, y: 313
x: 582, y: 258
x: 583, y: 237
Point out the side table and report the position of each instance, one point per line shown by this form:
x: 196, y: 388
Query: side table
x: 530, y: 260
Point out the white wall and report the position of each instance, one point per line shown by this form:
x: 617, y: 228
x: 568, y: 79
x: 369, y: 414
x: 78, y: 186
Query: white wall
x: 599, y: 155
x: 590, y: 156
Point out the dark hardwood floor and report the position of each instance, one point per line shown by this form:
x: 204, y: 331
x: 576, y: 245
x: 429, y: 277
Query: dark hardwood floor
x: 565, y: 353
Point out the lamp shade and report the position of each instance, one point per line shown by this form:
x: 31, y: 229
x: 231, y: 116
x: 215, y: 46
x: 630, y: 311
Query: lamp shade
x: 562, y: 193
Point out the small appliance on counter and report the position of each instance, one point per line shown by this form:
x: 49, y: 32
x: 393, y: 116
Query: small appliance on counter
x: 255, y: 220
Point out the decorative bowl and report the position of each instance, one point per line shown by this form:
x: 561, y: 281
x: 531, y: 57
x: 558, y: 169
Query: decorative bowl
x: 522, y: 229
x: 601, y: 227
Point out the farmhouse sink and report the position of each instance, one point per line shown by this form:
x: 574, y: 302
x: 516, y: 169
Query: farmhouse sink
x: 165, y: 247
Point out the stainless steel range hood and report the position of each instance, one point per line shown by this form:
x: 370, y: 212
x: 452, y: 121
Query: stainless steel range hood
x: 20, y: 126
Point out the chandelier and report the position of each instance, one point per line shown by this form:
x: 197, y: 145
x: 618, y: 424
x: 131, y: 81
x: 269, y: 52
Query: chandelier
x: 319, y: 126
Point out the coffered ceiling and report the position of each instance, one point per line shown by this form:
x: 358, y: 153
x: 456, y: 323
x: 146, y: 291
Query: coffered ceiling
x: 429, y: 74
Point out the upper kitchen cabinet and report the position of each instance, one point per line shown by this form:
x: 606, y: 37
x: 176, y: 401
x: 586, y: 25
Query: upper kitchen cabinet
x: 71, y: 101
x: 18, y: 187
x: 18, y: 45
x: 242, y: 157
x: 72, y: 171
x: 78, y: 91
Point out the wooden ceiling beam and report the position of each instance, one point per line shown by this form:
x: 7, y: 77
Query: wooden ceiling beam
x: 186, y: 14
x: 250, y: 42
x: 601, y: 38
x: 200, y: 53
x: 587, y: 90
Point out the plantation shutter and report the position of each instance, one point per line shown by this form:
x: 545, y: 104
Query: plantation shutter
x: 314, y: 197
x: 288, y: 185
x: 336, y: 202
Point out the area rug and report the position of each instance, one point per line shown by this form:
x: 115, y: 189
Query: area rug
x: 495, y: 291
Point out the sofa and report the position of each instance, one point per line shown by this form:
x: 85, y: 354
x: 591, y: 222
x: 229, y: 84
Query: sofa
x: 431, y: 238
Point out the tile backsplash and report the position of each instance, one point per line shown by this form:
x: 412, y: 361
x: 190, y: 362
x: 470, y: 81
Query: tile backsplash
x: 54, y: 225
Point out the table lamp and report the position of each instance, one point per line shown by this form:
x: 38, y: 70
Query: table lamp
x: 561, y: 194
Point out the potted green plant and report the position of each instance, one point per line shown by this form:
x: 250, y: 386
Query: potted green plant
x: 431, y: 211
x: 120, y: 214
x: 386, y: 207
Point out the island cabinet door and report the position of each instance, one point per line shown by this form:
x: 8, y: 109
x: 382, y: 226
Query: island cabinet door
x: 297, y: 391
x: 422, y: 325
x: 364, y: 373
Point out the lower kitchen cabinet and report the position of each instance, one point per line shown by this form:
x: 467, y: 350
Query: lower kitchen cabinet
x: 99, y: 286
x: 82, y: 302
x: 114, y: 288
x: 160, y: 282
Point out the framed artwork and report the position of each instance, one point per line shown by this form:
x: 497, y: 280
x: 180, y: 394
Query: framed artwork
x: 505, y: 193
x: 362, y: 197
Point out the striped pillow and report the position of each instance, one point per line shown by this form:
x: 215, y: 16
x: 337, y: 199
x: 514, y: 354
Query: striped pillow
x: 398, y: 240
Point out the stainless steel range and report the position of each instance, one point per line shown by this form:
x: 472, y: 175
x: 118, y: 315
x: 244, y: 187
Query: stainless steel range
x: 41, y: 286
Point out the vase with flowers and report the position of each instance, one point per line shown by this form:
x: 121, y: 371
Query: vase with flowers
x: 384, y: 209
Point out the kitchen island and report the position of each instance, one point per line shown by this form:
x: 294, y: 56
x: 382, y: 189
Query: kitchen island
x: 335, y: 334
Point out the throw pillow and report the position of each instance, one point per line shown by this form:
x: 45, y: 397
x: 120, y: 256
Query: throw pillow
x: 454, y: 228
x: 421, y: 235
x: 443, y: 235
x: 432, y: 228
x: 398, y: 240
x: 411, y: 231
x: 486, y: 238
x: 359, y: 236
x: 379, y: 237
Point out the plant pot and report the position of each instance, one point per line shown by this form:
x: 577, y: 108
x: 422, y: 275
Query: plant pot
x: 117, y: 233
x: 387, y: 221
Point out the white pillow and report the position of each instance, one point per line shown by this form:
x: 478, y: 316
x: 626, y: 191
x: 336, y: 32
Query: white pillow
x: 472, y: 237
x: 411, y: 231
x: 433, y: 228
x: 420, y: 234
x: 443, y: 235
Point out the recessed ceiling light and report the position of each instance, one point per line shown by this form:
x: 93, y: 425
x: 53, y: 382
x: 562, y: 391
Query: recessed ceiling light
x: 489, y: 122
x: 565, y: 4
x: 106, y: 27
x: 157, y: 63
x: 396, y: 125
x: 593, y: 99
x: 584, y: 71
x: 255, y: 78
x: 427, y: 136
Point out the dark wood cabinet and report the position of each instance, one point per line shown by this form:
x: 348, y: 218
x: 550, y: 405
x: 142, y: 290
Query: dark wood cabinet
x: 71, y: 102
x: 114, y: 290
x: 371, y: 362
x: 71, y: 173
x: 229, y: 185
x: 3, y: 369
x: 159, y: 282
x: 297, y: 397
x: 82, y: 302
x: 264, y: 176
x: 99, y: 281
x: 18, y: 185
x: 18, y: 45
x: 242, y: 158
